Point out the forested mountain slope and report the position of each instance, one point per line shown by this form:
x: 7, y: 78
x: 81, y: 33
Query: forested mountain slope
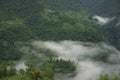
x: 31, y: 19
x: 101, y: 7
x: 105, y: 8
x: 24, y: 21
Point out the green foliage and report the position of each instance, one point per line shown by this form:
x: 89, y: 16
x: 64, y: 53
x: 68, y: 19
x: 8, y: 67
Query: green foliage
x: 17, y: 77
x: 35, y: 75
x: 22, y: 8
x: 60, y: 66
x: 11, y: 71
x: 3, y: 71
x: 21, y: 71
x: 11, y: 39
x: 107, y: 77
x: 22, y: 21
x: 67, y: 26
x: 64, y: 5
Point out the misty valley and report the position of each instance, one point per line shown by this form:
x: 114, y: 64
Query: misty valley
x: 59, y: 40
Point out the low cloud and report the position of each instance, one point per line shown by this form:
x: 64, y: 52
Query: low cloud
x: 103, y: 20
x: 91, y: 59
x: 118, y: 23
x: 21, y: 65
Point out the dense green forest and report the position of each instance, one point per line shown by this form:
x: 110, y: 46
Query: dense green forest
x: 32, y: 20
x: 24, y: 21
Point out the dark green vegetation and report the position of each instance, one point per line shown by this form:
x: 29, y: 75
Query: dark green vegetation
x: 22, y: 21
x: 46, y: 71
x: 107, y: 77
x: 100, y: 7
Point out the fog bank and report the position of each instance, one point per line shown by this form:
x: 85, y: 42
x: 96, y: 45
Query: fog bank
x: 21, y: 65
x: 91, y: 59
x: 103, y: 20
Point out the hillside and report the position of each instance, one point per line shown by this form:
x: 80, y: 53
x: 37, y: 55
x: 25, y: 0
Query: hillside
x: 24, y: 22
x: 40, y: 33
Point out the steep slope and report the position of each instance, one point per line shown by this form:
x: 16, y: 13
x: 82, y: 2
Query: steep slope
x: 58, y: 36
x: 102, y: 7
x: 26, y: 20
